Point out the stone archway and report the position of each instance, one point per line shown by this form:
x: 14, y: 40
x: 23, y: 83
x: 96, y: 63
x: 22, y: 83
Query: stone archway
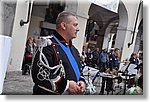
x: 102, y: 17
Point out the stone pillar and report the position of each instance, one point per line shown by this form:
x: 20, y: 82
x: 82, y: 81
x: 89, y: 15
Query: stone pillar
x: 19, y: 35
x: 107, y: 39
x: 124, y: 37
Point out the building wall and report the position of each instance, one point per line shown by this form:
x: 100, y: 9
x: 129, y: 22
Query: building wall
x: 131, y: 24
x: 126, y: 28
x: 34, y: 28
x: 38, y: 14
x: 7, y: 17
x: 1, y: 18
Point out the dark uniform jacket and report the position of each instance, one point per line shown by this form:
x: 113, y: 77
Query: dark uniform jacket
x: 113, y: 62
x: 42, y: 76
x: 134, y: 60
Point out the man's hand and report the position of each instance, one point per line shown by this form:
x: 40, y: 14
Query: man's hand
x: 73, y: 88
x: 82, y: 86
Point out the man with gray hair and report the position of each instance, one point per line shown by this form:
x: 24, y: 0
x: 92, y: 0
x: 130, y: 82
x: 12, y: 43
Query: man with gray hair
x: 56, y: 66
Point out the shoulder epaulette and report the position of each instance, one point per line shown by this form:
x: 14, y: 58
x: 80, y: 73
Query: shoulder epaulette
x: 44, y: 41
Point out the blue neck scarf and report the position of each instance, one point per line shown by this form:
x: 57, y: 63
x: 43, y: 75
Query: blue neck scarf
x: 71, y: 58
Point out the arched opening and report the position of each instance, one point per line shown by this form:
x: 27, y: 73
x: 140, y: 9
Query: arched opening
x: 101, y: 20
x: 110, y: 33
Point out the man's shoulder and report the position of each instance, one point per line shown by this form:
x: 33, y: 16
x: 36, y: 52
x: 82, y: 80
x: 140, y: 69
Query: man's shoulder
x: 44, y: 41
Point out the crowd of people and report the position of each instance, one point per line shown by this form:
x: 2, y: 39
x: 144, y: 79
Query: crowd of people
x: 102, y: 60
x: 108, y: 62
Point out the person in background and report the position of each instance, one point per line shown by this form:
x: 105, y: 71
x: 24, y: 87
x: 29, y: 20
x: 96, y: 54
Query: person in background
x: 139, y: 76
x: 95, y: 59
x: 28, y: 55
x: 114, y: 59
x: 89, y: 57
x: 56, y: 66
x: 134, y: 58
x: 103, y: 60
x: 83, y: 63
x: 112, y: 70
x: 138, y: 88
x: 140, y: 57
x: 84, y: 51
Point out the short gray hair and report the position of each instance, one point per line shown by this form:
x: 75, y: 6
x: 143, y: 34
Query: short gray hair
x: 63, y: 17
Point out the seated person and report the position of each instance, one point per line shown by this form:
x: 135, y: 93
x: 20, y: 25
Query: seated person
x: 138, y: 88
x: 83, y: 64
x: 109, y: 81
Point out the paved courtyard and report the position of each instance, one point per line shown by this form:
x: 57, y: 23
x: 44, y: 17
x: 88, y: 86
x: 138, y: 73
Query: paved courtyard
x: 17, y: 84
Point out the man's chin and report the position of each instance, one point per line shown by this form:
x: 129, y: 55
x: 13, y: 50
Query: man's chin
x: 74, y: 37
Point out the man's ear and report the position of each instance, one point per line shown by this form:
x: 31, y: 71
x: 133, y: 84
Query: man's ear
x: 63, y: 25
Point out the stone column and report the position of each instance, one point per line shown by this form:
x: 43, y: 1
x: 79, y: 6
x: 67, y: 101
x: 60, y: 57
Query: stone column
x: 19, y: 35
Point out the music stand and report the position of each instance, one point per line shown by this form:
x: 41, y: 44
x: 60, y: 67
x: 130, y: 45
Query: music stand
x: 90, y: 72
x: 128, y: 70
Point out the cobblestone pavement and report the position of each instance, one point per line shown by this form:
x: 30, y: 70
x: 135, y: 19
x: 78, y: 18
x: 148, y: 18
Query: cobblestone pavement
x: 17, y: 84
